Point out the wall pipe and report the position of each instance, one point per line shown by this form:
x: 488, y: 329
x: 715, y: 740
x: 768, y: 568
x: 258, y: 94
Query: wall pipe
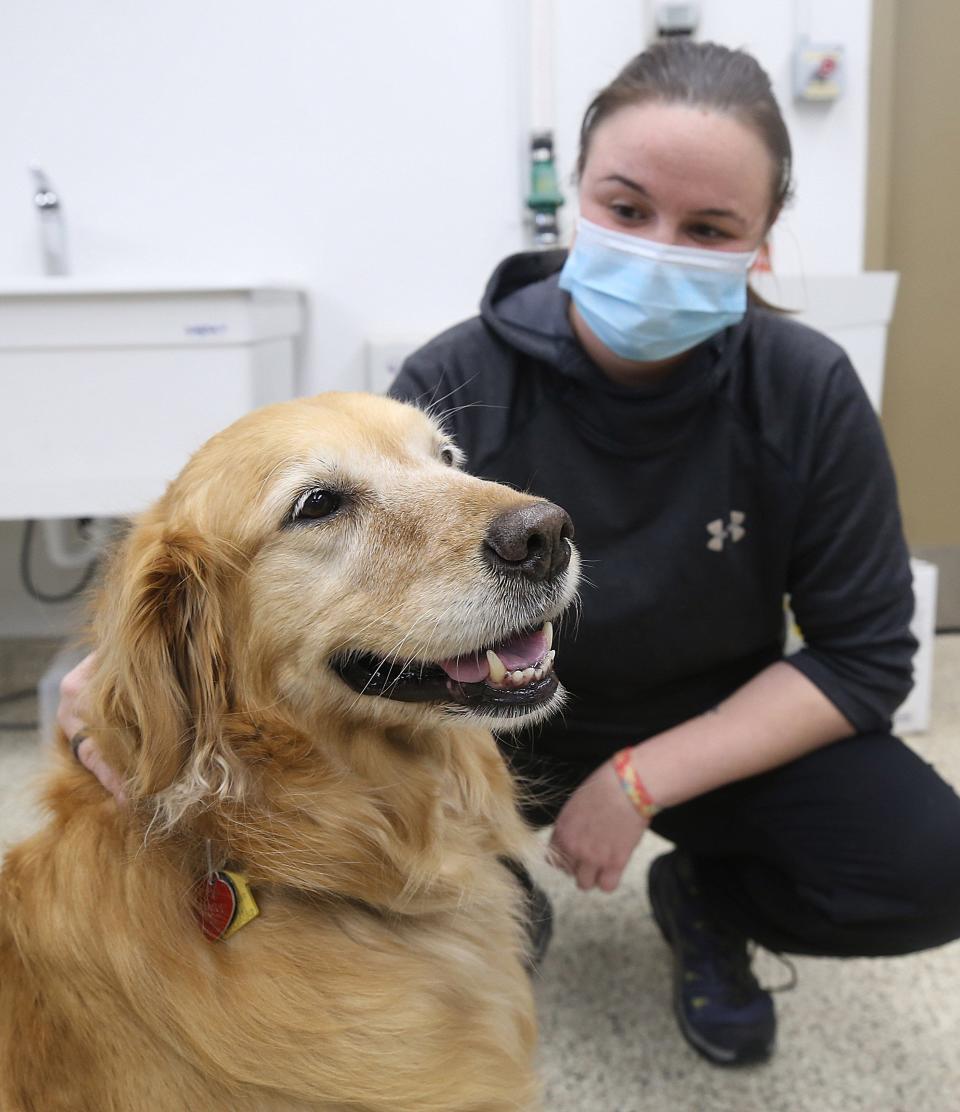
x: 544, y: 198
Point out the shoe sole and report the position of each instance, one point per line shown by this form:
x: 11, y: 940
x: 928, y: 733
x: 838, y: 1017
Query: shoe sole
x: 750, y: 1054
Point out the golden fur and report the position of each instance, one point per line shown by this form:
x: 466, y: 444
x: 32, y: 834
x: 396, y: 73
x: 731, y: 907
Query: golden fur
x: 385, y: 970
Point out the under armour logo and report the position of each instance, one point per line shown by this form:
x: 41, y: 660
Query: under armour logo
x: 719, y: 532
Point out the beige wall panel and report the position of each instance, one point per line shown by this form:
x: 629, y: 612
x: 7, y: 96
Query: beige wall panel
x: 922, y: 397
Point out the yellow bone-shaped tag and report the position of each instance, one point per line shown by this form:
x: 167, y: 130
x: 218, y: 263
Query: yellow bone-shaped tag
x: 247, y: 909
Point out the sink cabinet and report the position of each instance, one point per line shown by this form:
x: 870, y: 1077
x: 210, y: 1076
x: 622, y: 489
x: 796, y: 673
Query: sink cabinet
x: 106, y: 389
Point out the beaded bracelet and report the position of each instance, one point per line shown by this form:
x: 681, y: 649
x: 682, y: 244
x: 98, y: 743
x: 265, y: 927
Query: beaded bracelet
x: 633, y: 785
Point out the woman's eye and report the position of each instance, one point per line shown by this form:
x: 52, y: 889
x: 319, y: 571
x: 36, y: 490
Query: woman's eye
x: 626, y: 212
x: 707, y: 231
x: 316, y: 504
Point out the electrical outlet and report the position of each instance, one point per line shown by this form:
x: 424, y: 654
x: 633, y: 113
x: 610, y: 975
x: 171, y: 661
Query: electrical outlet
x: 819, y: 71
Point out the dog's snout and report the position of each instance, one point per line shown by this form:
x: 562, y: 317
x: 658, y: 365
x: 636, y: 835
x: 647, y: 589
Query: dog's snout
x: 532, y: 541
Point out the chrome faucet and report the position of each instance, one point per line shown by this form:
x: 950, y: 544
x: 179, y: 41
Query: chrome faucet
x: 53, y: 238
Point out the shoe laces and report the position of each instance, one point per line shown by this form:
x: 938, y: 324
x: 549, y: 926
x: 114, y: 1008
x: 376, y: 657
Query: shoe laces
x: 728, y: 954
x: 726, y: 964
x: 723, y: 957
x: 786, y: 963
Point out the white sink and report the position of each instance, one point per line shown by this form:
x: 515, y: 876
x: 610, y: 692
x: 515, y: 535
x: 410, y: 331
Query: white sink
x: 107, y: 386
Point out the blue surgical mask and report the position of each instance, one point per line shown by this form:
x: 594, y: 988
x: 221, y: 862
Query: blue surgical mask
x: 647, y: 301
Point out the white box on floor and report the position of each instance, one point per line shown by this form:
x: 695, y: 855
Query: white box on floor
x: 913, y: 717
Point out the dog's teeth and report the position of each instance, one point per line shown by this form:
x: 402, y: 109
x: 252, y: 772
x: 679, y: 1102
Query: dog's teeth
x: 501, y: 676
x: 548, y: 633
x: 551, y: 656
x: 497, y: 670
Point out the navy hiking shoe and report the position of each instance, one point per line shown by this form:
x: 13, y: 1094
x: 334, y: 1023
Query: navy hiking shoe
x: 723, y: 1012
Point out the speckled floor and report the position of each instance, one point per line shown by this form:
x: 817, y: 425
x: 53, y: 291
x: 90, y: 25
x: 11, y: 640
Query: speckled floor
x: 877, y: 1035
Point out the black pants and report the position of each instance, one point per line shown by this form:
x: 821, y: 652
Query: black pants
x: 852, y: 850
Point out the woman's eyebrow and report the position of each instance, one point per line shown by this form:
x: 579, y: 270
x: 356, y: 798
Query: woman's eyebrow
x: 727, y: 214
x: 628, y: 183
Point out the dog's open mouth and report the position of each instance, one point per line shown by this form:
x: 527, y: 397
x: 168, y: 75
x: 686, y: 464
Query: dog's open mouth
x: 509, y: 676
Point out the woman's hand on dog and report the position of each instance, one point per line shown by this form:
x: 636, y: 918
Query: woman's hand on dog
x: 71, y: 719
x: 597, y: 831
x: 73, y: 687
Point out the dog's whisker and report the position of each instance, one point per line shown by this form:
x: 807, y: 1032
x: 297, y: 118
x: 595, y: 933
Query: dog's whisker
x: 430, y: 407
x: 391, y: 653
x: 356, y: 634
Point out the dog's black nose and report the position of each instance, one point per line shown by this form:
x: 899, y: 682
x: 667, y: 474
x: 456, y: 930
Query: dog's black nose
x: 532, y: 541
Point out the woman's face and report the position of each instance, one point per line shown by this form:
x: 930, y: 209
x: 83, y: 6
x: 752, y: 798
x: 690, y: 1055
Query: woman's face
x: 679, y: 175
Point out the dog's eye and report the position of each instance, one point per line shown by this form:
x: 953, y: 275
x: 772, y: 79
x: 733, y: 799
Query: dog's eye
x: 448, y: 456
x: 314, y: 504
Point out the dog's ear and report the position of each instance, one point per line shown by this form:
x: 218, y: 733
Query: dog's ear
x: 166, y: 639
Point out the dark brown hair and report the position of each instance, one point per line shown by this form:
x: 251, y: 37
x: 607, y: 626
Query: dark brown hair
x: 701, y: 75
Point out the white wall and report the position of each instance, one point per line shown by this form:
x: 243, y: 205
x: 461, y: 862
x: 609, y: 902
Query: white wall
x: 366, y: 148
x: 371, y: 150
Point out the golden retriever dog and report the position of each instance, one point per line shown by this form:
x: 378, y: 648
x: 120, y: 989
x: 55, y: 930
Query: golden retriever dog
x: 303, y: 647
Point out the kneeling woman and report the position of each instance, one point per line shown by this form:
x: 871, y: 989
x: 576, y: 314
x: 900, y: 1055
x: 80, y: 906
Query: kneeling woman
x: 715, y: 457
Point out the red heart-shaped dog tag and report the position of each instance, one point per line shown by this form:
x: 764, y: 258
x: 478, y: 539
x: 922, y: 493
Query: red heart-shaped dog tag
x: 216, y: 905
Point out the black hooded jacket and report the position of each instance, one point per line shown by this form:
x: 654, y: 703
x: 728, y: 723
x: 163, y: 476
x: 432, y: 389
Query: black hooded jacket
x: 756, y: 469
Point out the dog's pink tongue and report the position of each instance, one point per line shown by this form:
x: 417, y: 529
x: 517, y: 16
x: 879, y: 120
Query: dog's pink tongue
x: 517, y: 653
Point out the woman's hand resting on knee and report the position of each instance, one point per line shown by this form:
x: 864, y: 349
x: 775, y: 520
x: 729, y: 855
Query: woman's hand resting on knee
x: 597, y: 831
